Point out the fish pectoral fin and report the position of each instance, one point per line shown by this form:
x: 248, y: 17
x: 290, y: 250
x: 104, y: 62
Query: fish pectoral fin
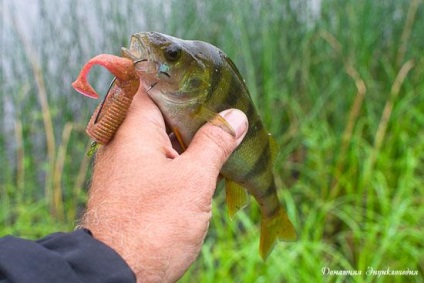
x: 277, y: 227
x: 214, y: 118
x: 236, y: 197
x: 179, y: 138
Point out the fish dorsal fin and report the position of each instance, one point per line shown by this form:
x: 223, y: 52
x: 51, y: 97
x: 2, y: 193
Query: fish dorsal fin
x: 236, y: 197
x: 209, y: 115
x: 274, y: 148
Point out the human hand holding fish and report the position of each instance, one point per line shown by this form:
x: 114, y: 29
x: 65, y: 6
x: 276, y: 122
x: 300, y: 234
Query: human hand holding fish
x: 162, y: 237
x: 189, y: 83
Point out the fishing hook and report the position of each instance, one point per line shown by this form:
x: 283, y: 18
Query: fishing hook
x: 152, y: 86
x: 138, y: 61
x: 165, y: 73
x: 108, y: 91
x: 104, y: 100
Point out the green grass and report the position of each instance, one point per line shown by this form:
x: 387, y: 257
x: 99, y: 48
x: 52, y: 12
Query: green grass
x: 343, y: 94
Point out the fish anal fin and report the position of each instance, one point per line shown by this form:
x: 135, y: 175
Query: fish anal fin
x: 236, y: 197
x: 273, y: 229
x: 214, y: 118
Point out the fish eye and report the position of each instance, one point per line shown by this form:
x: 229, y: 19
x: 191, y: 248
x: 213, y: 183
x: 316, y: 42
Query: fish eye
x: 173, y: 52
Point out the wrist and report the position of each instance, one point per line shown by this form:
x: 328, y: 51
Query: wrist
x: 117, y: 224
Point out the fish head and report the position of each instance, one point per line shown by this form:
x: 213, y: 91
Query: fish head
x: 173, y: 71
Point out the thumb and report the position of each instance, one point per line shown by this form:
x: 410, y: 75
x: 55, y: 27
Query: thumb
x: 213, y: 145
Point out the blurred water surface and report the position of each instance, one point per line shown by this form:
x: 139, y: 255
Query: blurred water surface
x: 51, y: 40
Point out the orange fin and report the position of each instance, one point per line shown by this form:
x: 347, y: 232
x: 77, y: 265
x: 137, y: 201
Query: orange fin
x: 179, y: 138
x: 214, y: 118
x: 277, y: 227
x: 236, y: 197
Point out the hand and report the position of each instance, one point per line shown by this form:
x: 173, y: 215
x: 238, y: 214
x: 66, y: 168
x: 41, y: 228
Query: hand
x: 151, y: 204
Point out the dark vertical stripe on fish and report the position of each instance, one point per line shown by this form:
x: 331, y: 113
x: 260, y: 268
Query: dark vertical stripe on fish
x: 234, y: 93
x: 256, y: 126
x: 261, y: 164
x: 255, y: 129
x: 274, y: 211
x: 270, y: 190
x: 251, y: 112
x: 215, y: 81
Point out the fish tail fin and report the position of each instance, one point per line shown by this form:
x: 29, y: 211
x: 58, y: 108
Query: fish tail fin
x: 277, y: 227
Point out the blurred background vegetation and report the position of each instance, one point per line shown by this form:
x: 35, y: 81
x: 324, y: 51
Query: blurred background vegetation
x: 338, y: 83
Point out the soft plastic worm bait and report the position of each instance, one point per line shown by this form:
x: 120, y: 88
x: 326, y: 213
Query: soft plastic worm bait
x: 110, y: 114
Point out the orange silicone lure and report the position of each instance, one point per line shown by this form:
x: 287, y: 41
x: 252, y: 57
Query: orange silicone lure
x: 110, y: 114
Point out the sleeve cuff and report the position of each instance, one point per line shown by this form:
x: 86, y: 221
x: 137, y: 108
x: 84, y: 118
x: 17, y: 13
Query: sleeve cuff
x: 62, y: 257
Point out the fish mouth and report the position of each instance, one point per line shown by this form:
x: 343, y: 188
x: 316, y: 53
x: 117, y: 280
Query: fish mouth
x: 141, y: 46
x: 140, y: 52
x: 143, y: 51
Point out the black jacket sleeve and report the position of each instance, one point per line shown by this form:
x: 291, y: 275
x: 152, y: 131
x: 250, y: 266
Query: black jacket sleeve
x: 61, y: 257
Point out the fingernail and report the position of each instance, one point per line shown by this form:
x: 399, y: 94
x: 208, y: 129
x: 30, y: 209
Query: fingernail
x: 237, y: 120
